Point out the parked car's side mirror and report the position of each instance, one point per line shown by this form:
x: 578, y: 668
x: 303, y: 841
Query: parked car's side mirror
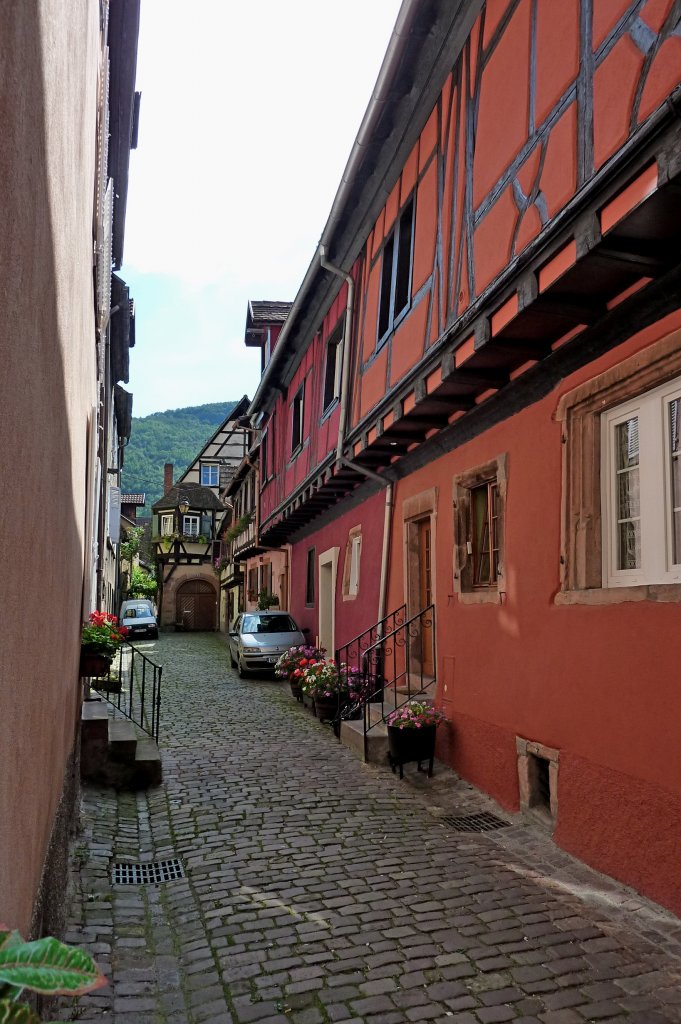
x: 305, y: 629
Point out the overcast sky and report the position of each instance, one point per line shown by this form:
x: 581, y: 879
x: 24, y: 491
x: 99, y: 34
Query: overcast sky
x: 249, y: 112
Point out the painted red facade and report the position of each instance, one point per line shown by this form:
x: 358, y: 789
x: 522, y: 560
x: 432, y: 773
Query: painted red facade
x: 518, y: 286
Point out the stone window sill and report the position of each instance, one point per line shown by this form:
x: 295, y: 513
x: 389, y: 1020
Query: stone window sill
x: 661, y: 592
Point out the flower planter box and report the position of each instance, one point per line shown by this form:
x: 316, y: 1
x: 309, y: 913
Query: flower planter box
x: 405, y: 745
x: 94, y: 664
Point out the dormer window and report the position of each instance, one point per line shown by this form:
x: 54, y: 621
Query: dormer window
x: 210, y: 474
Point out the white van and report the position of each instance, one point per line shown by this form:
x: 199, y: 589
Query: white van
x: 137, y: 615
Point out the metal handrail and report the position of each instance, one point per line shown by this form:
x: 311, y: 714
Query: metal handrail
x: 134, y: 689
x: 380, y: 660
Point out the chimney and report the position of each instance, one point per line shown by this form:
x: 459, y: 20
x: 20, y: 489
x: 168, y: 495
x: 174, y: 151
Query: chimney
x: 167, y: 477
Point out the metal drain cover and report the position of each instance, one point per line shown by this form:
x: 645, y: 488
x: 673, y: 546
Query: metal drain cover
x: 153, y: 872
x: 483, y: 822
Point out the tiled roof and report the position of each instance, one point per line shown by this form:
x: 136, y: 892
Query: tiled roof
x: 133, y: 499
x: 268, y: 312
x: 196, y: 495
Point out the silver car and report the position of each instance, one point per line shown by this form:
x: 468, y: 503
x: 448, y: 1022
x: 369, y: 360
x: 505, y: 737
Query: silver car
x: 256, y: 640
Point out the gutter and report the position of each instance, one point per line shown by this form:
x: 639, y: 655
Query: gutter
x: 403, y: 26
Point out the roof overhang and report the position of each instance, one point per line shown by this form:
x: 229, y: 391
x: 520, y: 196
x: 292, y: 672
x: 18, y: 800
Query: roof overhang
x: 426, y: 39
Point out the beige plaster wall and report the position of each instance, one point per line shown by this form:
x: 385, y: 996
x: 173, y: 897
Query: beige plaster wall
x: 48, y: 88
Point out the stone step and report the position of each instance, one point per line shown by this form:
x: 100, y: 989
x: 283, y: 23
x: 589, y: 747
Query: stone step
x: 122, y: 740
x: 147, y: 767
x: 352, y: 735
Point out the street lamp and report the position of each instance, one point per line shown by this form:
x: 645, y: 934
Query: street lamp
x: 184, y: 506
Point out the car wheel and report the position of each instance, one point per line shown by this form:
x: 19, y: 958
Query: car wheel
x: 231, y: 658
x: 154, y: 635
x: 240, y: 669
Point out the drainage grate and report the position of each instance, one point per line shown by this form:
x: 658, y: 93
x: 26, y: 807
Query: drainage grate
x: 154, y: 872
x: 484, y: 822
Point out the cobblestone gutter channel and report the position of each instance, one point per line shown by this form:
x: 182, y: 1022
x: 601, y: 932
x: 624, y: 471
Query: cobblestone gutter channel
x: 319, y: 889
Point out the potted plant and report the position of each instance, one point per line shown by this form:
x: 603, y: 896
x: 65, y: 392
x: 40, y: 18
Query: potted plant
x: 411, y: 734
x: 45, y: 966
x: 101, y: 638
x: 292, y: 664
x: 328, y: 687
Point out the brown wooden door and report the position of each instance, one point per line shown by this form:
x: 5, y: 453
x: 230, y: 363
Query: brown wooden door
x: 426, y: 593
x: 196, y: 605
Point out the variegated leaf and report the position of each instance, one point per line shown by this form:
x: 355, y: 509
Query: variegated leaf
x: 50, y: 967
x: 16, y: 1013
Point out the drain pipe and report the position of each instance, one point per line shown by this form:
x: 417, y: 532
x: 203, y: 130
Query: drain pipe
x: 387, y: 526
x: 341, y: 460
x: 345, y: 371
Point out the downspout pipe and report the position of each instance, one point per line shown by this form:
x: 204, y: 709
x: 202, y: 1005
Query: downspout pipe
x: 347, y: 333
x: 387, y: 526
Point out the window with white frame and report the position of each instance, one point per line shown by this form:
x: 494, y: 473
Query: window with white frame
x: 353, y: 554
x: 210, y: 474
x: 641, y: 489
x: 167, y: 524
x: 190, y: 526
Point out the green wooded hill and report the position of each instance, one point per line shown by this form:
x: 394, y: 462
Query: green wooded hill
x: 176, y: 436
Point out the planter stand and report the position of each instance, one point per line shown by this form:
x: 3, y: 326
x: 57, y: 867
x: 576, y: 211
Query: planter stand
x: 405, y: 745
x: 296, y: 691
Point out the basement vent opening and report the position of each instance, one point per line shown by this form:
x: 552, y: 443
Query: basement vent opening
x: 154, y: 872
x: 483, y: 822
x: 540, y: 785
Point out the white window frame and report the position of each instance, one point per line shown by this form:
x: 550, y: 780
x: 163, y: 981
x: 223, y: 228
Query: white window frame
x: 657, y: 565
x: 167, y: 524
x: 355, y: 556
x: 210, y: 466
x: 191, y: 525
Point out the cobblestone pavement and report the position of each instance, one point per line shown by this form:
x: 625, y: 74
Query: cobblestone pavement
x: 322, y: 890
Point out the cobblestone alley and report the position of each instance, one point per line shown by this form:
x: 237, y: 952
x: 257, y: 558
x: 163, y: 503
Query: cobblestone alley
x: 321, y: 890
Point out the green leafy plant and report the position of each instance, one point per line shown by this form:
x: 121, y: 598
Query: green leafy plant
x: 45, y: 966
x: 266, y: 600
x: 237, y: 528
x: 101, y: 634
x: 142, y: 584
x: 129, y: 547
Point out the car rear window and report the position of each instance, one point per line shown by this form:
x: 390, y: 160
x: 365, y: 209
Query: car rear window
x: 269, y: 624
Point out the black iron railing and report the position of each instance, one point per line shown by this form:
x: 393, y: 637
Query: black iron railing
x: 352, y: 653
x: 394, y: 668
x: 133, y: 687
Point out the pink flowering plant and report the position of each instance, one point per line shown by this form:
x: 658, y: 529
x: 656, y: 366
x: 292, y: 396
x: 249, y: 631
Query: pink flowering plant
x: 359, y: 687
x: 322, y: 680
x: 415, y: 715
x: 293, y: 662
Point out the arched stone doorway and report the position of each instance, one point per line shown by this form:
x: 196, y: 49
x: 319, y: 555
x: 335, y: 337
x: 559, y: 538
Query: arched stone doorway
x: 196, y: 605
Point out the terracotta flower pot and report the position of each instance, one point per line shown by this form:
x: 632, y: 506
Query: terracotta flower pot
x: 406, y: 745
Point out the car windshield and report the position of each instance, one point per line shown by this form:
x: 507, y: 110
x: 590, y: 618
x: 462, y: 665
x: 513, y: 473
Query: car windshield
x: 141, y: 612
x: 268, y: 624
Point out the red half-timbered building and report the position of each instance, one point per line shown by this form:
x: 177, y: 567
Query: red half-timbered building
x: 474, y: 403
